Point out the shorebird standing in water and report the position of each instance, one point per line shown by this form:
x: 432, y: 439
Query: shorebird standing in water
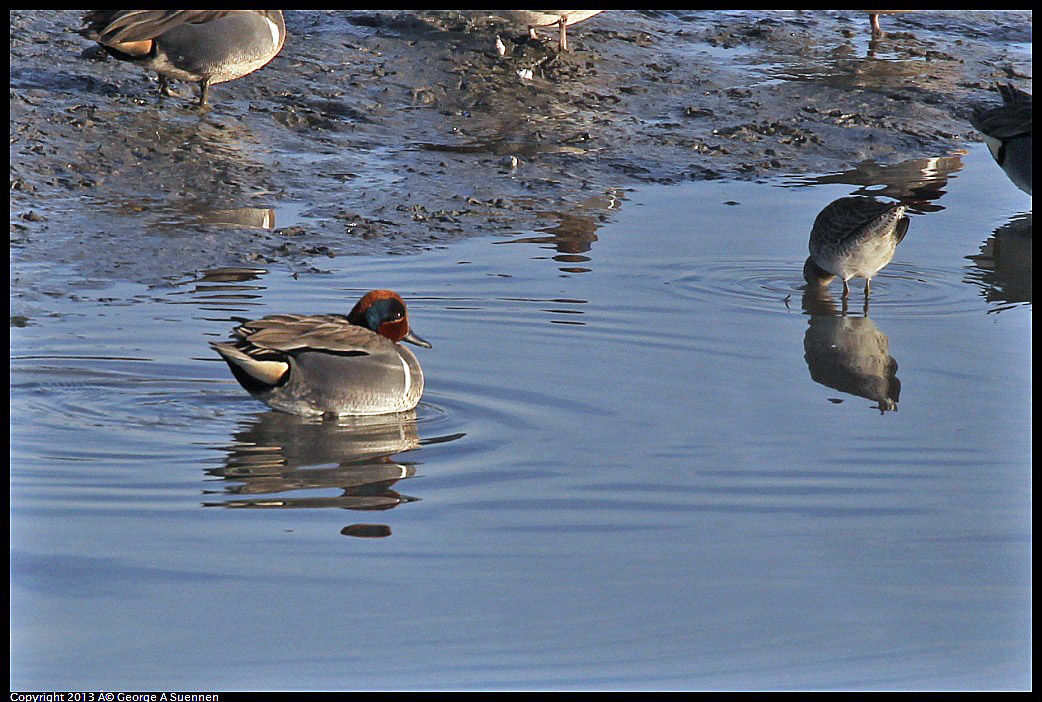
x: 854, y: 237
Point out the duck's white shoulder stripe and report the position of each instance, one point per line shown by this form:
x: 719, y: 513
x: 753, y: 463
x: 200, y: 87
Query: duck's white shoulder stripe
x: 408, y: 375
x: 274, y: 29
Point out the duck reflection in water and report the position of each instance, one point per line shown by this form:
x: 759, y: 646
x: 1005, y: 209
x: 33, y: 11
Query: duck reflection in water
x: 247, y: 217
x: 274, y: 453
x: 1002, y: 268
x: 919, y: 182
x: 573, y: 233
x: 572, y: 237
x: 848, y: 353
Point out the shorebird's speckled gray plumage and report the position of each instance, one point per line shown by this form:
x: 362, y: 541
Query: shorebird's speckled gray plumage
x: 319, y: 364
x: 198, y: 46
x: 854, y: 237
x: 1007, y: 132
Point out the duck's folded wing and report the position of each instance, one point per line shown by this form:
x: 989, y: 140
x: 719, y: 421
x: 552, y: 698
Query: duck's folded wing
x: 330, y: 333
x: 1011, y: 93
x: 1005, y: 122
x: 138, y: 25
x: 1009, y: 120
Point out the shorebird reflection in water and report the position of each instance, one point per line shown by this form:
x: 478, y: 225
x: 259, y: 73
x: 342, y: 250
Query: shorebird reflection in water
x: 849, y: 353
x: 853, y: 237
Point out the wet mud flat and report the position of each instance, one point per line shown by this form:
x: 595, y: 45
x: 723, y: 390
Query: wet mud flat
x: 396, y: 131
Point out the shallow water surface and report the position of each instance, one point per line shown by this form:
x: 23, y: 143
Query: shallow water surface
x: 644, y: 460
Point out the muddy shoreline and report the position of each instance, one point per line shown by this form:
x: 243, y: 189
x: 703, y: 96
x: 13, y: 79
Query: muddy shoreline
x: 392, y: 131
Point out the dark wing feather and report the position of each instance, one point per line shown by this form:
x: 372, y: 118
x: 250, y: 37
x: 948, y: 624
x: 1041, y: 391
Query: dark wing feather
x: 290, y: 332
x: 114, y: 27
x: 1009, y: 120
x: 851, y: 219
x: 901, y: 230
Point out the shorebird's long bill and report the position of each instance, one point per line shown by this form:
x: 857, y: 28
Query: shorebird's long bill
x: 412, y: 338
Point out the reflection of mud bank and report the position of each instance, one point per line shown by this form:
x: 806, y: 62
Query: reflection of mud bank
x: 389, y: 131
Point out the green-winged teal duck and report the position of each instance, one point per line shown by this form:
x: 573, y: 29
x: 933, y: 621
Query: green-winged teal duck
x: 329, y: 363
x: 198, y: 46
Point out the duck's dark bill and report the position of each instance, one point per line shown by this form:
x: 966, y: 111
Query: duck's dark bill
x: 412, y: 338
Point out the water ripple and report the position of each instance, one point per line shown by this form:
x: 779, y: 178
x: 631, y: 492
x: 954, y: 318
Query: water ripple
x: 773, y: 286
